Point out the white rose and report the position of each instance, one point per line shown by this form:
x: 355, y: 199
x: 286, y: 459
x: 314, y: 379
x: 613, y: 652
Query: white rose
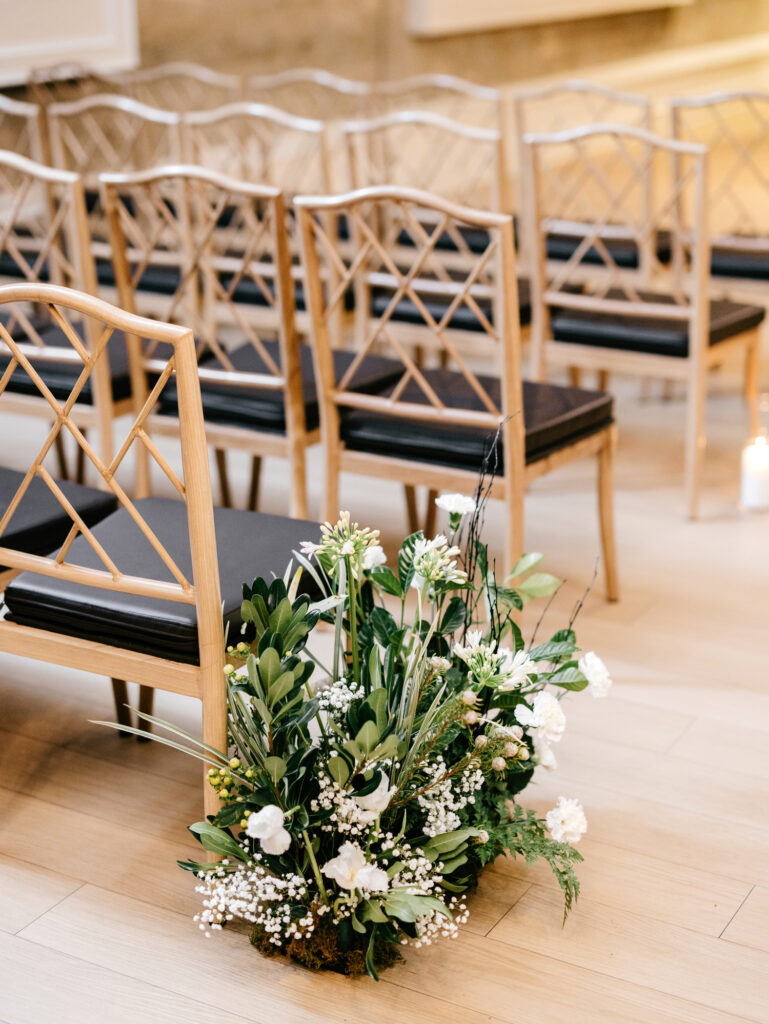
x: 374, y: 556
x: 350, y: 870
x: 456, y: 504
x: 372, y: 804
x: 596, y: 673
x: 567, y: 821
x: 267, y: 826
x: 545, y: 715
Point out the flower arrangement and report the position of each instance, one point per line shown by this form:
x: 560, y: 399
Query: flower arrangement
x: 363, y: 795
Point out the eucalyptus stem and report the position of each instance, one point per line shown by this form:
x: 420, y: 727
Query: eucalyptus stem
x: 315, y: 868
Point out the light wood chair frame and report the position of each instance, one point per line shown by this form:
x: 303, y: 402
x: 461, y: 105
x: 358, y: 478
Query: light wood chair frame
x: 189, y: 239
x: 27, y: 135
x: 329, y: 91
x: 63, y: 243
x: 178, y: 86
x: 506, y: 416
x: 204, y: 681
x: 687, y: 276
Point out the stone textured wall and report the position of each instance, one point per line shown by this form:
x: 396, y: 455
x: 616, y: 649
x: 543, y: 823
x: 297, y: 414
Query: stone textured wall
x: 367, y: 39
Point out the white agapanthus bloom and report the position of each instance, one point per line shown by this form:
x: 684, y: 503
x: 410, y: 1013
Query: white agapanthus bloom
x: 351, y: 870
x: 307, y: 547
x: 567, y: 821
x: 435, y: 562
x: 267, y: 826
x: 456, y: 504
x: 516, y: 669
x: 373, y: 556
x: 473, y: 643
x: 545, y: 716
x: 372, y: 804
x: 596, y: 673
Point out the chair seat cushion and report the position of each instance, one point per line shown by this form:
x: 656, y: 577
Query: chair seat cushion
x: 10, y: 268
x: 554, y: 417
x: 650, y: 335
x: 739, y: 263
x: 39, y: 524
x: 264, y: 408
x: 157, y: 279
x: 624, y: 251
x: 463, y: 318
x: 164, y: 628
x: 60, y: 378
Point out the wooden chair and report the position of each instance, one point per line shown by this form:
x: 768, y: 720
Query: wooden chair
x: 311, y: 92
x: 20, y: 128
x: 615, y: 323
x: 44, y: 238
x: 436, y: 426
x: 106, y: 133
x: 734, y: 126
x: 178, y: 86
x: 478, y: 106
x: 145, y: 593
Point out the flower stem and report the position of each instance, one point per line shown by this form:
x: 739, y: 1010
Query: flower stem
x: 315, y: 868
x: 353, y: 622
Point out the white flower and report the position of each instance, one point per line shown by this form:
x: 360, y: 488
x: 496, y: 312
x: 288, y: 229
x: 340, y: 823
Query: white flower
x: 567, y: 821
x: 545, y: 715
x: 483, y: 837
x: 516, y: 668
x: 267, y: 826
x: 374, y: 556
x: 456, y: 504
x: 372, y: 804
x: 471, y: 717
x: 439, y: 665
x: 499, y: 764
x: 596, y: 673
x: 544, y: 753
x: 348, y: 548
x: 474, y: 642
x: 435, y: 562
x: 469, y: 698
x: 308, y: 548
x: 350, y: 870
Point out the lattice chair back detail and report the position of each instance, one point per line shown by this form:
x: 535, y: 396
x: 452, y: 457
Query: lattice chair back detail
x: 429, y: 152
x: 456, y: 98
x: 223, y: 247
x: 21, y: 128
x: 311, y: 92
x: 129, y: 552
x: 110, y: 133
x: 573, y: 196
x: 735, y: 129
x: 178, y: 86
x: 433, y: 300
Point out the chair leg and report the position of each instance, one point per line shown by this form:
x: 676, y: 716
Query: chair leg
x: 331, y: 498
x: 146, y: 703
x: 224, y: 480
x: 514, y: 536
x: 214, y: 708
x: 575, y: 376
x: 253, y: 486
x: 606, y: 515
x: 430, y: 513
x: 298, y: 496
x: 122, y: 711
x: 695, y: 440
x: 603, y: 380
x: 751, y: 384
x: 412, y: 513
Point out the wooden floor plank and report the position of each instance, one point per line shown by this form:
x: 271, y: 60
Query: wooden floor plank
x: 27, y: 891
x: 750, y: 925
x: 744, y: 750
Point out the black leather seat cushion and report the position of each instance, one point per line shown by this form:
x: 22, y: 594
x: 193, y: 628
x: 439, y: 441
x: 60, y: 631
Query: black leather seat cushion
x: 248, y: 292
x: 163, y: 628
x: 39, y: 524
x: 463, y: 318
x: 263, y: 408
x: 10, y: 268
x: 647, y: 334
x: 158, y: 279
x: 623, y: 251
x: 739, y: 263
x: 60, y: 378
x: 553, y: 416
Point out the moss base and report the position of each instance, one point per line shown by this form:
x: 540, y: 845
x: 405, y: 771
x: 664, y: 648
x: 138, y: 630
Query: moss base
x: 322, y: 951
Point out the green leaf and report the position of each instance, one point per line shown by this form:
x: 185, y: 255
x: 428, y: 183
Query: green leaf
x: 440, y: 845
x: 282, y: 686
x: 377, y: 701
x: 370, y: 956
x: 281, y: 616
x: 524, y: 564
x: 371, y: 911
x: 551, y: 649
x: 368, y: 737
x: 386, y: 749
x: 269, y: 666
x: 539, y: 584
x: 386, y: 580
x: 407, y: 906
x: 406, y: 559
x: 275, y: 768
x: 454, y: 616
x: 216, y: 840
x: 339, y: 769
x: 451, y: 865
x: 568, y: 677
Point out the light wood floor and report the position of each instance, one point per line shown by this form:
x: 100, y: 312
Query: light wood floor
x: 673, y: 771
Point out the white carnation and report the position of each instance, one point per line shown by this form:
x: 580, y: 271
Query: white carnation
x: 374, y: 556
x: 567, y: 821
x: 596, y: 673
x: 545, y: 716
x: 456, y: 504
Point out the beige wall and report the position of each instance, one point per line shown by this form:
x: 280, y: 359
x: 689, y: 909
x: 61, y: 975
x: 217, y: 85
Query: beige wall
x: 366, y: 38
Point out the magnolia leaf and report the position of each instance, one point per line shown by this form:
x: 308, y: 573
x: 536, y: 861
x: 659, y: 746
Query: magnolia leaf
x: 444, y: 843
x: 539, y: 584
x: 525, y: 564
x: 216, y: 840
x: 339, y: 769
x: 568, y: 677
x: 551, y: 649
x: 275, y: 768
x: 280, y: 688
x: 269, y: 666
x: 386, y: 749
x: 368, y: 736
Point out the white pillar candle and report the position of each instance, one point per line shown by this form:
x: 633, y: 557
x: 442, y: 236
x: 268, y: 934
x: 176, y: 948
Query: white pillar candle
x: 754, y: 493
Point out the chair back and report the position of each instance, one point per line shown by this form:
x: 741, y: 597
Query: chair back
x: 20, y: 128
x: 429, y: 152
x: 259, y: 143
x: 455, y: 98
x: 178, y: 86
x: 487, y: 289
x: 734, y: 126
x: 311, y: 92
x: 193, y: 485
x: 223, y: 246
x: 572, y: 196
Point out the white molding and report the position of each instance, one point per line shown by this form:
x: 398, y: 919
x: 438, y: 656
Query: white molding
x: 429, y: 18
x: 109, y: 41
